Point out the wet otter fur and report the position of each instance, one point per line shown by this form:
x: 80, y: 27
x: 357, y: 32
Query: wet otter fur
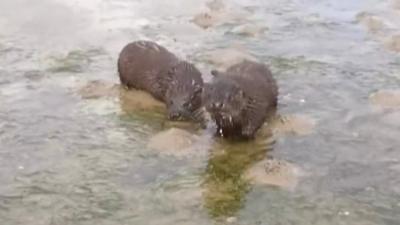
x: 147, y: 66
x: 240, y: 99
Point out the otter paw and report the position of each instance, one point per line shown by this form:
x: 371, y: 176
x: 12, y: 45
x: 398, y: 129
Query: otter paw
x: 248, y: 132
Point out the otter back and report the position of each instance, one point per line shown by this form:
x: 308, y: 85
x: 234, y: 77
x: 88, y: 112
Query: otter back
x: 143, y: 65
x: 148, y: 66
x: 256, y: 81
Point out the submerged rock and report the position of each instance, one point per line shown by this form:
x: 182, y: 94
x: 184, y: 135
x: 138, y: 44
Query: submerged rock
x: 107, y: 94
x: 98, y: 89
x: 371, y: 22
x: 224, y: 58
x: 386, y: 98
x: 393, y: 43
x: 274, y: 172
x: 174, y: 142
x: 249, y: 30
x: 134, y: 100
x: 293, y: 124
x: 205, y: 20
x: 219, y: 14
x: 215, y: 5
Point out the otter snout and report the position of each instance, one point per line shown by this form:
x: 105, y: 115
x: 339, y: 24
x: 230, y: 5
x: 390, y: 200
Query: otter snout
x: 174, y: 115
x: 178, y: 114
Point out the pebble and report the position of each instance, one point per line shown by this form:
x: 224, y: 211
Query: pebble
x: 231, y: 219
x: 386, y: 98
x: 393, y: 43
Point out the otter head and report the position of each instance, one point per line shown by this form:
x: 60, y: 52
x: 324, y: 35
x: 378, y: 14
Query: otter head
x: 183, y: 96
x: 225, y: 101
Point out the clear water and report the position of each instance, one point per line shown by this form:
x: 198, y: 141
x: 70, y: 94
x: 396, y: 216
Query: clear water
x: 65, y: 159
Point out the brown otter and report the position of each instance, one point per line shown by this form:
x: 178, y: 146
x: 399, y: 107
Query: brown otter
x: 240, y: 99
x: 147, y: 66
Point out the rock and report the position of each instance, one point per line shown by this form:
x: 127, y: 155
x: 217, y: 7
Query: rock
x: 293, y: 124
x: 133, y: 100
x: 393, y: 43
x: 101, y: 106
x: 224, y: 58
x: 215, y: 5
x: 249, y: 30
x: 99, y: 92
x: 174, y: 142
x: 386, y: 98
x: 371, y: 22
x: 274, y: 172
x: 219, y: 16
x: 205, y: 20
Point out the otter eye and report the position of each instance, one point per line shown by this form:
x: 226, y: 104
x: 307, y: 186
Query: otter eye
x: 197, y: 95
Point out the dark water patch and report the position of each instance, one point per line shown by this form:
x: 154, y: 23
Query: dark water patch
x: 225, y: 186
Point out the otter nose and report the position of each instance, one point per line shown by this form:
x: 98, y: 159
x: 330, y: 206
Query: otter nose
x: 216, y: 105
x: 174, y: 115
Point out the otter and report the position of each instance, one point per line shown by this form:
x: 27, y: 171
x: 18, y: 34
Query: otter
x: 145, y: 65
x: 240, y: 99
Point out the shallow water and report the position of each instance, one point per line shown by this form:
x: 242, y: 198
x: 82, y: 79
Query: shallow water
x: 66, y: 158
